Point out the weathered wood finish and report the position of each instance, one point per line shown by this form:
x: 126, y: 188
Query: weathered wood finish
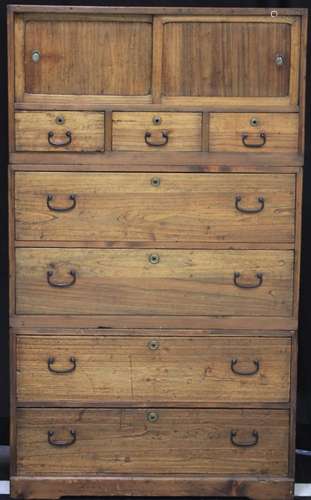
x: 124, y: 441
x: 147, y: 485
x: 155, y: 337
x: 155, y: 209
x: 208, y: 58
x: 181, y: 283
x: 118, y: 47
x: 87, y: 131
x: 160, y: 57
x: 226, y: 132
x: 183, y: 131
x: 149, y: 369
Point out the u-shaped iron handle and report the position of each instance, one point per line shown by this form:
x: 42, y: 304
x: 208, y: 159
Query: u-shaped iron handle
x: 54, y: 284
x: 71, y: 197
x: 260, y: 200
x: 59, y: 144
x: 259, y: 277
x: 62, y: 444
x: 234, y: 363
x: 72, y: 361
x: 262, y: 136
x: 148, y: 135
x: 247, y: 444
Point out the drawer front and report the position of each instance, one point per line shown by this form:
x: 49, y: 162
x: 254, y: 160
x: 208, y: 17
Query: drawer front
x: 148, y: 208
x: 145, y: 131
x: 152, y: 369
x: 155, y: 282
x: 253, y: 132
x: 152, y: 441
x: 59, y: 131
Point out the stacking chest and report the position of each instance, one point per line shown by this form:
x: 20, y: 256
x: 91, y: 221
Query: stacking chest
x: 155, y: 172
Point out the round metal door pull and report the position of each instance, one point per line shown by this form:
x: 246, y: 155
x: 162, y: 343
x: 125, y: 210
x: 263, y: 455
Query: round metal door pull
x: 279, y: 60
x: 152, y: 417
x: 36, y: 56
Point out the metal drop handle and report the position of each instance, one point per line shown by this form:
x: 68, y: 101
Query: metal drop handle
x: 238, y: 206
x: 59, y: 144
x: 262, y: 136
x: 55, y: 284
x: 259, y: 278
x: 62, y: 444
x: 247, y: 444
x: 72, y: 361
x: 50, y: 198
x: 164, y: 141
x: 234, y: 363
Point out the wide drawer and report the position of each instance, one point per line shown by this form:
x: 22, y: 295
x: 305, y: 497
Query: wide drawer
x: 148, y: 208
x: 59, y: 131
x: 152, y: 131
x: 157, y: 282
x: 152, y: 369
x: 253, y: 133
x: 93, y: 441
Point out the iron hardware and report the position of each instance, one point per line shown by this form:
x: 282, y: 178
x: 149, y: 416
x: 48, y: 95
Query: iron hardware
x: 259, y: 277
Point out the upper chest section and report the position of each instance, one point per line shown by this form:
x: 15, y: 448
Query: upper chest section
x: 193, y: 59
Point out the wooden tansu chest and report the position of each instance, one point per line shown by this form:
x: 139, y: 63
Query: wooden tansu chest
x: 155, y: 203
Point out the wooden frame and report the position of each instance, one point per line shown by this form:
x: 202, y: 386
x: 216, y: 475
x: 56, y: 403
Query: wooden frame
x: 183, y: 486
x: 259, y: 487
x: 200, y: 322
x: 29, y: 101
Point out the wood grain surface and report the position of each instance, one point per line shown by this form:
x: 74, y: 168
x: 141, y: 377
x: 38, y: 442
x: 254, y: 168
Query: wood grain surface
x: 183, y: 131
x: 87, y: 131
x: 181, y: 283
x: 179, y: 441
x: 227, y: 129
x: 155, y: 208
x: 152, y: 369
x: 105, y: 57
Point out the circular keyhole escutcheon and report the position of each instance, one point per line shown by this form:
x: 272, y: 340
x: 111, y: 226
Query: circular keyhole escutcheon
x: 157, y: 120
x: 154, y: 258
x: 60, y: 120
x: 254, y: 122
x: 155, y: 181
x: 153, y: 345
x: 152, y: 417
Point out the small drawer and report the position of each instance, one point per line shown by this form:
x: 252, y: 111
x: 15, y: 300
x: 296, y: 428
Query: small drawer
x: 154, y: 282
x: 253, y: 132
x: 152, y: 131
x: 148, y: 208
x: 154, y: 440
x: 153, y: 369
x: 59, y: 131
